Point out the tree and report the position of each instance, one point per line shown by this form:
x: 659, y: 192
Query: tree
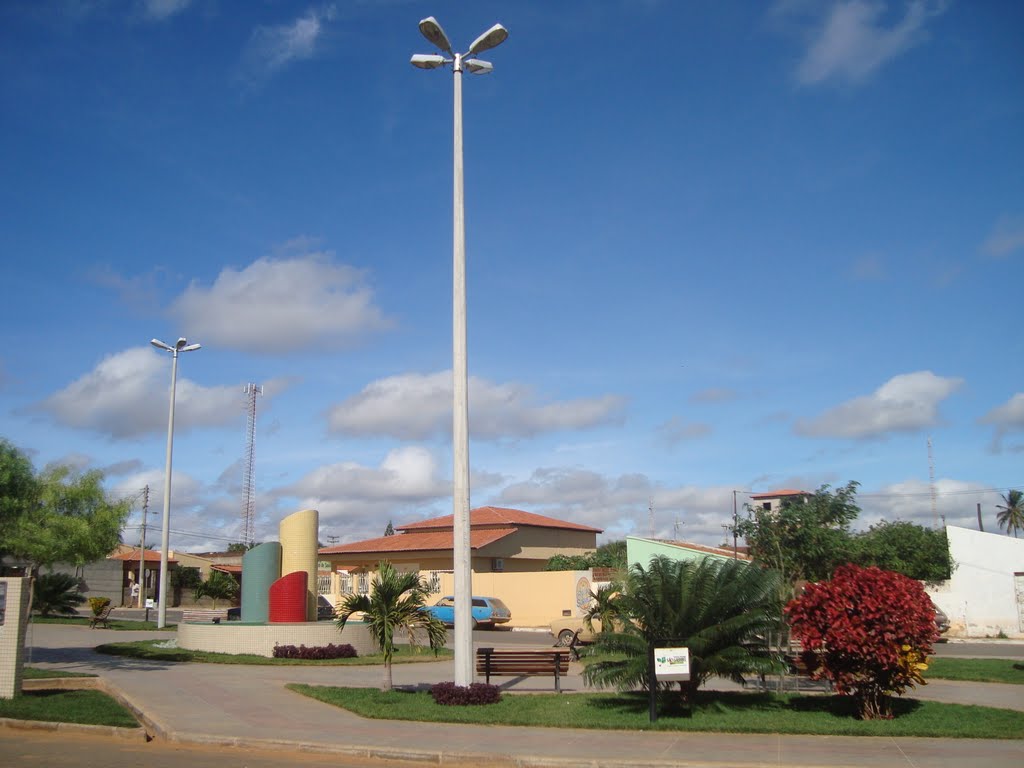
x: 716, y: 608
x: 394, y: 604
x: 603, y: 608
x: 56, y: 593
x: 908, y: 548
x: 807, y: 537
x: 240, y: 546
x: 867, y: 630
x: 219, y: 586
x: 18, y: 489
x: 390, y: 530
x: 610, y: 555
x: 1011, y: 516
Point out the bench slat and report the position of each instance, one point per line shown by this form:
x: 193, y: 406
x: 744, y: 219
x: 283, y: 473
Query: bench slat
x: 501, y: 662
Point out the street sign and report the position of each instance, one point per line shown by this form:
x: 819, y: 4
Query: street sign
x: 672, y: 663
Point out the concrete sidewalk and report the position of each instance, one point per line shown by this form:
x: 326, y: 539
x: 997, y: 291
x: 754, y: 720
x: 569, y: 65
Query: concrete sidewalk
x: 250, y: 706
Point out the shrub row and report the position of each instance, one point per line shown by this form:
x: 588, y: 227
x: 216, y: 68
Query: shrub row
x: 460, y: 695
x: 329, y: 651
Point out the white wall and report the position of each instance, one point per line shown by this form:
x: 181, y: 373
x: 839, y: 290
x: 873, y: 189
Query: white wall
x: 980, y: 599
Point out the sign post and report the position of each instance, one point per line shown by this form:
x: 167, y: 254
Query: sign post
x: 670, y: 664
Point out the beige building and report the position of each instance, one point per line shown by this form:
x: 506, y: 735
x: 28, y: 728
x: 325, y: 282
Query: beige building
x: 773, y: 500
x: 509, y: 549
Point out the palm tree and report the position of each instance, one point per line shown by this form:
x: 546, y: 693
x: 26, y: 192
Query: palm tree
x: 603, y: 608
x: 1012, y: 515
x: 394, y: 604
x: 720, y: 609
x: 56, y: 593
x: 220, y: 586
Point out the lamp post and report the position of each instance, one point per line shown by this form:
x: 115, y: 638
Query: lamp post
x: 461, y: 551
x: 181, y: 346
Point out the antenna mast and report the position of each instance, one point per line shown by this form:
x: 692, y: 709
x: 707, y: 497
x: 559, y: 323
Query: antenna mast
x: 252, y: 391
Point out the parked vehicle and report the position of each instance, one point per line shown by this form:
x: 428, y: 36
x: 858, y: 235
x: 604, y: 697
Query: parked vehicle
x: 324, y: 609
x: 564, y: 629
x: 941, y: 620
x: 486, y: 610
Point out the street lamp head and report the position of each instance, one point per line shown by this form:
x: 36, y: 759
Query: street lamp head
x: 428, y: 60
x: 492, y: 38
x: 181, y: 342
x: 478, y: 66
x: 190, y: 347
x: 160, y: 345
x: 433, y: 32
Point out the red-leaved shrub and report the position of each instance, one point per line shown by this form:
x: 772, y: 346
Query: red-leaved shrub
x: 461, y: 695
x: 867, y: 630
x: 329, y: 651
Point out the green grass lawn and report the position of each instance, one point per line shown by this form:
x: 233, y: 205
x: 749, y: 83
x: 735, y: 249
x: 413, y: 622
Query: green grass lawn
x: 739, y: 712
x: 149, y: 650
x: 54, y: 706
x: 33, y: 673
x: 976, y: 670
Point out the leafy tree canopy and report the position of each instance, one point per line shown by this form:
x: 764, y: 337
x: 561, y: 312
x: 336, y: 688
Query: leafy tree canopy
x: 240, y: 546
x: 71, y: 520
x: 390, y: 530
x: 18, y: 488
x: 610, y: 555
x: 907, y: 548
x: 807, y: 537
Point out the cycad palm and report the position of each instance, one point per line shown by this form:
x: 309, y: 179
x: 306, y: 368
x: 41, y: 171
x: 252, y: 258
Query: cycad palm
x: 718, y: 609
x: 1011, y: 516
x: 394, y: 605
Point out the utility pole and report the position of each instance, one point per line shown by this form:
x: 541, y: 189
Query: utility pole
x: 142, y: 547
x: 735, y: 521
x: 980, y: 526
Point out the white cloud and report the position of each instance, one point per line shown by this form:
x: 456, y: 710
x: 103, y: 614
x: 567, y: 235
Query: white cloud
x: 415, y: 406
x: 905, y: 403
x: 125, y: 396
x: 1008, y: 417
x: 675, y: 431
x: 623, y: 505
x: 854, y: 40
x: 159, y: 10
x: 1007, y: 236
x: 911, y: 501
x: 280, y: 305
x: 272, y: 48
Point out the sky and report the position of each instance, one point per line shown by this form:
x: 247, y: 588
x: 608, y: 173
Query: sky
x: 712, y: 247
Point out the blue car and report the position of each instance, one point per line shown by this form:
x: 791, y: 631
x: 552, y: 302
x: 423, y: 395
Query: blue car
x: 486, y: 611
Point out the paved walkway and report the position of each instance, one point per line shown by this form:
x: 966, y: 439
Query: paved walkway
x: 222, y: 704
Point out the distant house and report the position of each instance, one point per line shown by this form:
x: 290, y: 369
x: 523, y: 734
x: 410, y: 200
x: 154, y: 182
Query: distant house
x: 772, y: 501
x: 509, y: 549
x: 641, y: 551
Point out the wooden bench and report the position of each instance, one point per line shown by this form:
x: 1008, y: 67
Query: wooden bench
x: 513, y: 662
x: 103, y: 617
x: 202, y: 615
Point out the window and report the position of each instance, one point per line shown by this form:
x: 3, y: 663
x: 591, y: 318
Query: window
x: 345, y: 582
x: 434, y: 582
x: 363, y: 583
x: 766, y: 506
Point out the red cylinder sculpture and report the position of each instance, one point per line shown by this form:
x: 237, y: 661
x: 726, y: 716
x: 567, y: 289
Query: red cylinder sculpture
x: 288, y: 598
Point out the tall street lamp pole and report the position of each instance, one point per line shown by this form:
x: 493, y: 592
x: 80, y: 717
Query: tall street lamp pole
x: 461, y: 552
x: 181, y: 346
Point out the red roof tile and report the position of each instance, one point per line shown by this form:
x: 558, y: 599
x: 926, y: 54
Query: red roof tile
x: 498, y: 516
x: 419, y: 541
x: 778, y: 494
x: 703, y: 548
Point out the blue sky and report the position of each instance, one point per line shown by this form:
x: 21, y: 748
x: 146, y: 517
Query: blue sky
x: 712, y: 246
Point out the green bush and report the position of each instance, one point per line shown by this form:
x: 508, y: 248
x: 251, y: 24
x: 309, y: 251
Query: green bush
x: 56, y: 593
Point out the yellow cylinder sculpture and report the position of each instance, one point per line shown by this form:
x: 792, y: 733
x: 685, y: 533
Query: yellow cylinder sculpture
x: 298, y: 534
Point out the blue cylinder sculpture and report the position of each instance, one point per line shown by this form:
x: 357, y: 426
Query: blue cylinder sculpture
x: 261, y: 567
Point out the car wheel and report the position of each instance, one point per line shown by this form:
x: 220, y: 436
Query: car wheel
x: 565, y: 637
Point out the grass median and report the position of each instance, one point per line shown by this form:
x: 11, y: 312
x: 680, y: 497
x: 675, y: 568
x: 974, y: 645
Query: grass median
x: 725, y: 712
x: 58, y: 706
x: 120, y: 625
x: 157, y: 650
x: 976, y: 670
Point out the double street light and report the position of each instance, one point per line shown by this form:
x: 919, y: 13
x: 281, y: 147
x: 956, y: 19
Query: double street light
x: 181, y: 346
x: 461, y: 552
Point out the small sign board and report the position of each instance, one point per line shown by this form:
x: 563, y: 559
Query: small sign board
x: 150, y: 602
x: 672, y: 663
